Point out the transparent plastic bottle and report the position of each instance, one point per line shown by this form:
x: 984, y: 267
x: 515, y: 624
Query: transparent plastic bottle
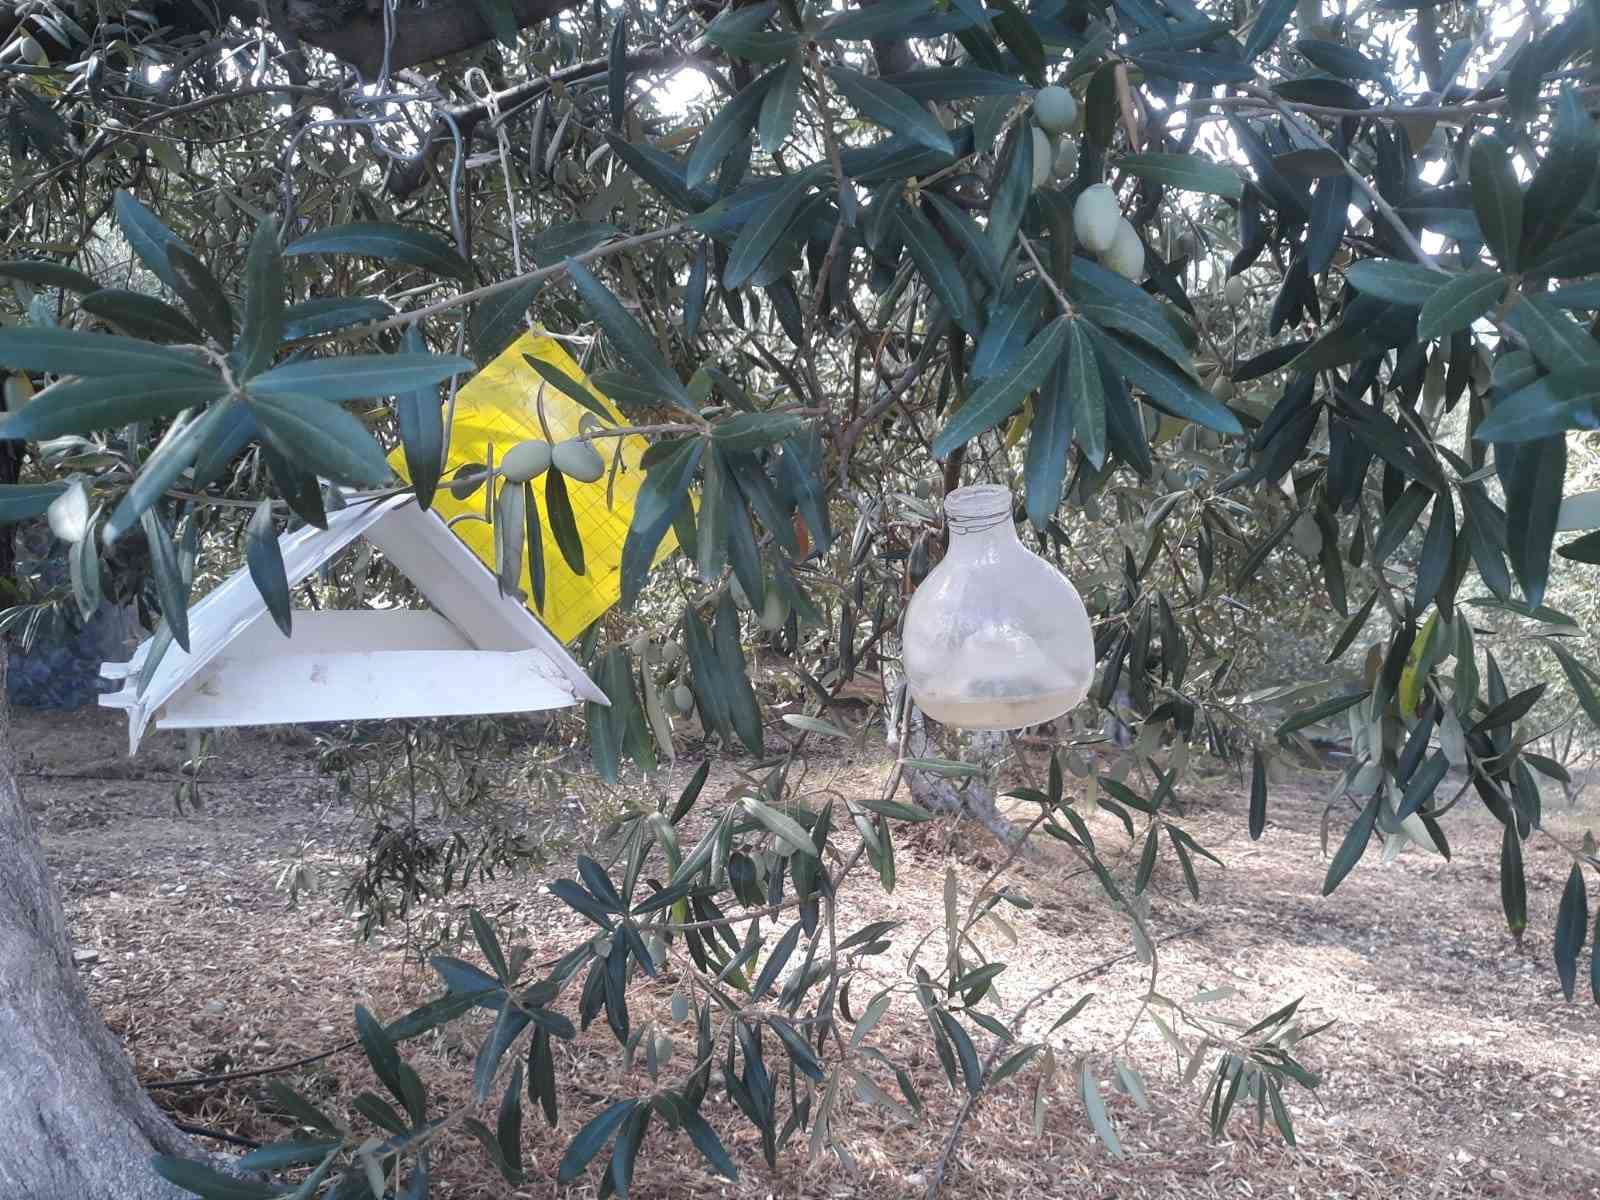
x: 995, y: 637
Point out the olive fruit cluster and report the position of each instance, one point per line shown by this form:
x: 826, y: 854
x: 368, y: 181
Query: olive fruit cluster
x: 1102, y: 230
x: 575, y: 458
x: 1055, y: 115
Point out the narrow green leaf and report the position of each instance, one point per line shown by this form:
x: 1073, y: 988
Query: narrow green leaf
x: 965, y: 230
x: 966, y: 1052
x: 888, y: 106
x: 753, y: 431
x: 1533, y: 505
x: 759, y: 235
x: 263, y: 301
x: 1353, y: 846
x: 569, y: 239
x: 1172, y: 392
x: 46, y: 274
x: 510, y: 536
x: 664, y: 491
x: 1095, y: 1106
x: 328, y: 314
x: 358, y: 376
x: 1341, y: 60
x: 542, y: 1073
x: 81, y: 406
x: 591, y: 1138
x: 563, y: 524
x: 209, y: 1183
x: 1572, y: 922
x: 1008, y: 203
x: 1258, y: 794
x: 1189, y: 172
x: 937, y: 266
x: 1050, y: 442
x: 147, y: 235
x: 277, y: 1155
x: 69, y: 352
x: 1398, y: 282
x: 1147, y: 860
x: 1460, y: 302
x: 1580, y: 678
x: 710, y: 1146
x: 731, y: 125
x: 498, y: 319
x: 171, y: 457
x: 778, y: 107
x: 938, y: 84
x: 1497, y: 199
x: 638, y: 348
x: 420, y: 417
x: 1269, y: 21
x: 322, y: 437
x: 388, y: 241
x: 1513, y: 882
x: 207, y: 303
x: 141, y: 316
x: 508, y: 1127
x: 265, y: 561
x: 1563, y: 177
x: 785, y: 828
x: 569, y: 387
x: 1003, y: 395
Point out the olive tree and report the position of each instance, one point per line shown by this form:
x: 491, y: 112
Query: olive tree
x: 1244, y: 301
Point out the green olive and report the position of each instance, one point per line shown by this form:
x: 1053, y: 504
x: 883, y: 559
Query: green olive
x: 525, y: 461
x: 577, y: 459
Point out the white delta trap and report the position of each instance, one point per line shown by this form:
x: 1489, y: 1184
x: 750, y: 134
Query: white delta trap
x: 478, y: 652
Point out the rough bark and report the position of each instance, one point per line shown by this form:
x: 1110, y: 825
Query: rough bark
x: 74, y: 1123
x: 972, y: 798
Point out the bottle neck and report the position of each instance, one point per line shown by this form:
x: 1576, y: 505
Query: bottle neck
x: 974, y: 537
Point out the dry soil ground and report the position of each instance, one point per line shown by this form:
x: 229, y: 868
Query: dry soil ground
x: 1454, y: 1069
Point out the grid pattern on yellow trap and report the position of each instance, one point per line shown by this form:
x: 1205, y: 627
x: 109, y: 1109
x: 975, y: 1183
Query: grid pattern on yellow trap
x: 498, y: 405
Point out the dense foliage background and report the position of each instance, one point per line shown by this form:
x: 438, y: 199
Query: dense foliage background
x: 1331, y: 409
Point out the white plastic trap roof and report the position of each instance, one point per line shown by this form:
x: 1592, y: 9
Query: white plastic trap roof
x: 477, y: 652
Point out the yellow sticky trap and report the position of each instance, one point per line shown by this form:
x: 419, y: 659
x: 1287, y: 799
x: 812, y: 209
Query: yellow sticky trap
x: 498, y: 405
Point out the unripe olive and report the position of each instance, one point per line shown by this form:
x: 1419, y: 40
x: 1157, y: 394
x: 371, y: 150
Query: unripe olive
x: 1305, y: 535
x: 1044, y: 157
x: 1095, y: 217
x: 639, y: 645
x: 671, y: 652
x: 1222, y: 389
x: 774, y: 612
x: 577, y: 459
x: 1055, y: 109
x: 1066, y: 164
x: 525, y: 461
x: 32, y: 52
x: 683, y: 699
x: 1126, y: 254
x: 1234, y: 291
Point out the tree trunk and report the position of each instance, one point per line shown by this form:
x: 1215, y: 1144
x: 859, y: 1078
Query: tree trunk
x: 74, y: 1123
x: 972, y: 798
